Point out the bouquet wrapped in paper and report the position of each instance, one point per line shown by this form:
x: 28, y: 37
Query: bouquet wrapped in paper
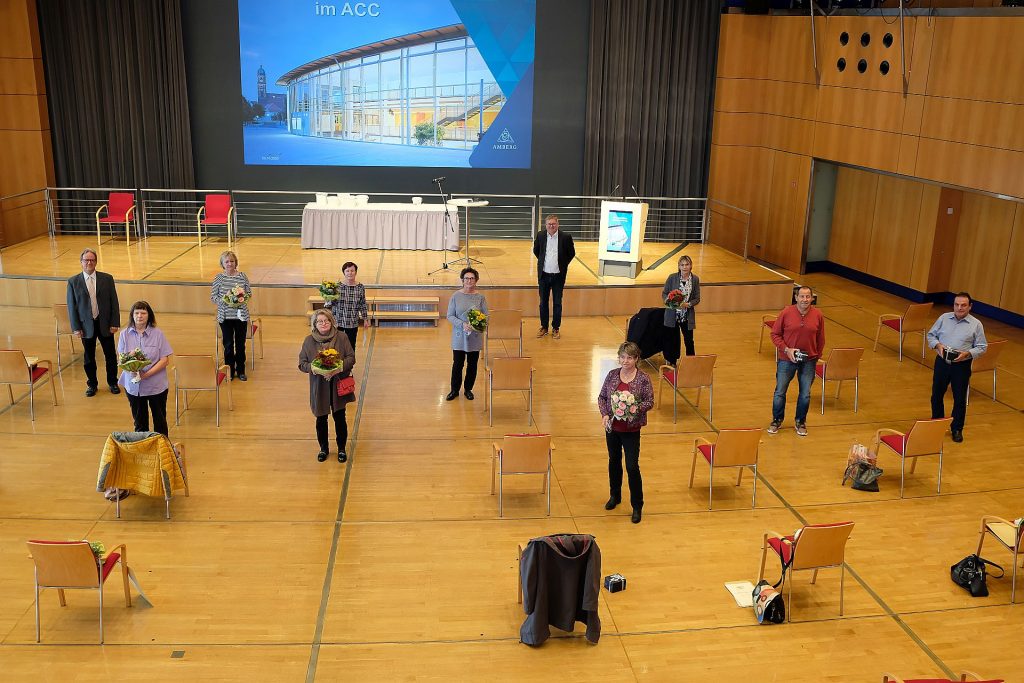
x: 327, y: 363
x: 133, y: 362
x: 625, y: 407
x: 675, y: 299
x: 329, y: 290
x: 477, y: 319
x: 236, y: 297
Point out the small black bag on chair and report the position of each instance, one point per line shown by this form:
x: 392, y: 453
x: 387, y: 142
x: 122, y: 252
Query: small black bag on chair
x: 969, y: 574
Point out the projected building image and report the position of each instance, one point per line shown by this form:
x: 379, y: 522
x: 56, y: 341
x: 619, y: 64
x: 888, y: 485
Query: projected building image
x: 430, y: 88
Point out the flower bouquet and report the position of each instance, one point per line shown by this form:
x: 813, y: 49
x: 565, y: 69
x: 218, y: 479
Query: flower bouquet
x: 624, y: 406
x: 327, y: 363
x: 133, y: 362
x: 236, y: 297
x: 675, y: 299
x: 97, y: 548
x: 477, y: 320
x: 329, y: 290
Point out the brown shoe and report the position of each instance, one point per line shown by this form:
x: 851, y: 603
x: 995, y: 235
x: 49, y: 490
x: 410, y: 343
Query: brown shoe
x: 555, y: 334
x: 542, y: 332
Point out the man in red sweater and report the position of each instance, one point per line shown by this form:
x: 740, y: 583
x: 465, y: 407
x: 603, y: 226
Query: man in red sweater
x: 799, y: 336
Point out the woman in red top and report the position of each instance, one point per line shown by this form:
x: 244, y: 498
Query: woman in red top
x: 622, y: 422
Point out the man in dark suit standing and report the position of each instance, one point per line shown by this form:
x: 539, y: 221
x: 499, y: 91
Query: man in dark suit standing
x: 554, y: 250
x: 94, y: 313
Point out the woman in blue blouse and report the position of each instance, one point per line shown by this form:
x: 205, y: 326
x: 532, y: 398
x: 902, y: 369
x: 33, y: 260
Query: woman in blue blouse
x: 146, y: 389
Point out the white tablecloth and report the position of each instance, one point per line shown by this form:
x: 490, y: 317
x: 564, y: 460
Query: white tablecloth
x: 379, y: 226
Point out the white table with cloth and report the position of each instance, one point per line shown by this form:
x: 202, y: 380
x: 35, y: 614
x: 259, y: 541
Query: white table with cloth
x: 379, y: 226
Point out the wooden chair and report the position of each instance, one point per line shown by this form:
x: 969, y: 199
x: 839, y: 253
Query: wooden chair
x: 522, y: 454
x: 216, y: 210
x: 917, y: 318
x: 924, y: 438
x: 842, y: 364
x: 767, y: 323
x: 62, y: 328
x: 734, y: 448
x: 814, y: 547
x: 1010, y: 536
x: 986, y: 362
x: 67, y: 565
x: 504, y: 326
x: 509, y: 374
x: 120, y: 208
x: 689, y: 372
x: 199, y: 373
x: 253, y: 332
x: 890, y: 678
x: 15, y: 369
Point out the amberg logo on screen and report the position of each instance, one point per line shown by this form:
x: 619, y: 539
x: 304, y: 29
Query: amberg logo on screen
x: 350, y: 9
x: 505, y: 141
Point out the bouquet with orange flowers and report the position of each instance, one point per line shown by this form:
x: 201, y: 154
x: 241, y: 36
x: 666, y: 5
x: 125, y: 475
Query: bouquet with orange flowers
x: 327, y: 363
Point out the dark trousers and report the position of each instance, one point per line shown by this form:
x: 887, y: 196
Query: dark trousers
x: 551, y: 285
x: 340, y: 431
x: 957, y: 375
x: 352, y: 333
x: 628, y: 444
x: 109, y: 357
x: 233, y: 334
x: 141, y: 407
x: 460, y: 358
x: 687, y: 338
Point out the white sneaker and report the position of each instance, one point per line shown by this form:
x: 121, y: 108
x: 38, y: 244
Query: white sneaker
x: 773, y: 428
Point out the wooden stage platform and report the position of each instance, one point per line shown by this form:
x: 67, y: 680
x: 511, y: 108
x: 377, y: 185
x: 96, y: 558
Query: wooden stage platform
x: 173, y: 274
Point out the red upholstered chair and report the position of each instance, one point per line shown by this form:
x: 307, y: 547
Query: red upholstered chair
x: 217, y: 210
x: 986, y: 362
x: 68, y: 565
x: 199, y: 373
x: 735, y: 448
x: 890, y: 678
x: 120, y: 208
x: 690, y: 372
x: 917, y: 318
x: 15, y: 368
x: 841, y: 364
x: 816, y: 546
x: 767, y: 323
x: 1008, y: 534
x: 924, y: 438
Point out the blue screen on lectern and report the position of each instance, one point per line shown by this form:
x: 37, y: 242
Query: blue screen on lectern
x: 620, y: 231
x: 418, y: 83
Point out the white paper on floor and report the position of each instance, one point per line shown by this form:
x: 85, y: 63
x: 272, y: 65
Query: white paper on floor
x: 742, y: 592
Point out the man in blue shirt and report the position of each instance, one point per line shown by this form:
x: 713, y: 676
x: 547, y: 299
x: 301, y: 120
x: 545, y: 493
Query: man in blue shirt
x: 958, y: 338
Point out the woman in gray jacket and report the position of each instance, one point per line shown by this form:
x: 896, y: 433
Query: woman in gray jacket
x: 323, y: 391
x: 466, y: 342
x: 685, y: 317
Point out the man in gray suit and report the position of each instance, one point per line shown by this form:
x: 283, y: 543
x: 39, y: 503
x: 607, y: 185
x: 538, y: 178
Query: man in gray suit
x: 94, y: 313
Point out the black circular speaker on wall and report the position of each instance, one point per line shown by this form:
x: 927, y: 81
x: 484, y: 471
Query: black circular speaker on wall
x: 862, y: 65
x: 887, y: 40
x: 884, y: 68
x: 841, y: 64
x: 844, y: 38
x: 865, y: 39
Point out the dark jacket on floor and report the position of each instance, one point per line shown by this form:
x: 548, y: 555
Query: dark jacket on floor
x: 561, y: 578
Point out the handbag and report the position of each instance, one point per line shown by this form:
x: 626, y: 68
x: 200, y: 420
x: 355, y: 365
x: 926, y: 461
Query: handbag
x: 969, y: 574
x: 346, y: 386
x: 863, y: 475
x: 769, y: 607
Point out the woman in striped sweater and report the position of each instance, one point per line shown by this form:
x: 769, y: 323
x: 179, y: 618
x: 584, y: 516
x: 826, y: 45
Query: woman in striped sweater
x: 233, y: 319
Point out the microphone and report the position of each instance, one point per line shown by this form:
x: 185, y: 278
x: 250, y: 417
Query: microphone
x: 437, y: 180
x: 612, y: 193
x: 633, y: 187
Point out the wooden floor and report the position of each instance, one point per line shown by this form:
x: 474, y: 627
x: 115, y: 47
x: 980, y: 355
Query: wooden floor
x: 397, y: 567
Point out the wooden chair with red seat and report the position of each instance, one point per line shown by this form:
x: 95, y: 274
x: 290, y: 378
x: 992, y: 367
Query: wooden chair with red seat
x: 842, y: 364
x: 216, y: 210
x: 925, y: 438
x: 690, y: 372
x: 986, y: 362
x: 522, y: 454
x: 814, y: 547
x: 120, y: 208
x: 1011, y: 536
x: 199, y: 373
x: 917, y: 318
x: 67, y: 565
x: 734, y: 448
x: 767, y: 323
x: 890, y: 678
x: 62, y: 327
x: 253, y: 331
x: 15, y: 368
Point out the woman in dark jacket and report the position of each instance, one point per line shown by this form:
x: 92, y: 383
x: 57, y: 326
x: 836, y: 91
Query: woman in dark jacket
x: 685, y: 316
x: 323, y: 391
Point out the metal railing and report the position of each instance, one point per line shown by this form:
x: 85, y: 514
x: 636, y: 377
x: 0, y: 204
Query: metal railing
x: 727, y: 220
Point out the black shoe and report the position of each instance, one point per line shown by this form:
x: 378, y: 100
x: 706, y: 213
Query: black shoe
x: 90, y: 391
x: 612, y: 502
x: 342, y: 457
x: 469, y: 395
x: 114, y: 389
x: 452, y: 395
x: 321, y: 456
x: 242, y: 377
x: 958, y: 436
x: 636, y: 516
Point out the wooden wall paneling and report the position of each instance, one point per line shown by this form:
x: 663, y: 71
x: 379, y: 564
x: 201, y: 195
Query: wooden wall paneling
x: 913, y: 111
x: 787, y: 213
x: 982, y: 246
x: 906, y: 163
x: 925, y: 240
x: 20, y: 75
x: 727, y: 230
x: 873, y: 54
x: 947, y: 227
x: 794, y: 100
x: 25, y: 154
x: 19, y: 35
x: 874, y: 110
x: 1012, y: 295
x: 894, y: 229
x: 970, y: 58
x: 857, y: 146
x: 790, y: 54
x: 740, y: 176
x: 738, y: 129
x: 23, y: 222
x: 852, y: 218
x: 919, y: 59
x: 971, y: 166
x: 739, y: 94
x: 743, y: 42
x: 788, y: 134
x: 23, y: 112
x: 991, y: 124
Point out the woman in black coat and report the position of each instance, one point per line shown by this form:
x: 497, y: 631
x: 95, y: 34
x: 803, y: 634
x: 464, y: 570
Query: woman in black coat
x: 685, y: 317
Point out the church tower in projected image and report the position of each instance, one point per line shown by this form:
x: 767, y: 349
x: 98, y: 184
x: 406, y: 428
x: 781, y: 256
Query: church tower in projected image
x: 261, y: 84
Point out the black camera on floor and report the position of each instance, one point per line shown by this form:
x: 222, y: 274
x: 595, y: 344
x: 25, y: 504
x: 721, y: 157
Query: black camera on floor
x: 614, y: 583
